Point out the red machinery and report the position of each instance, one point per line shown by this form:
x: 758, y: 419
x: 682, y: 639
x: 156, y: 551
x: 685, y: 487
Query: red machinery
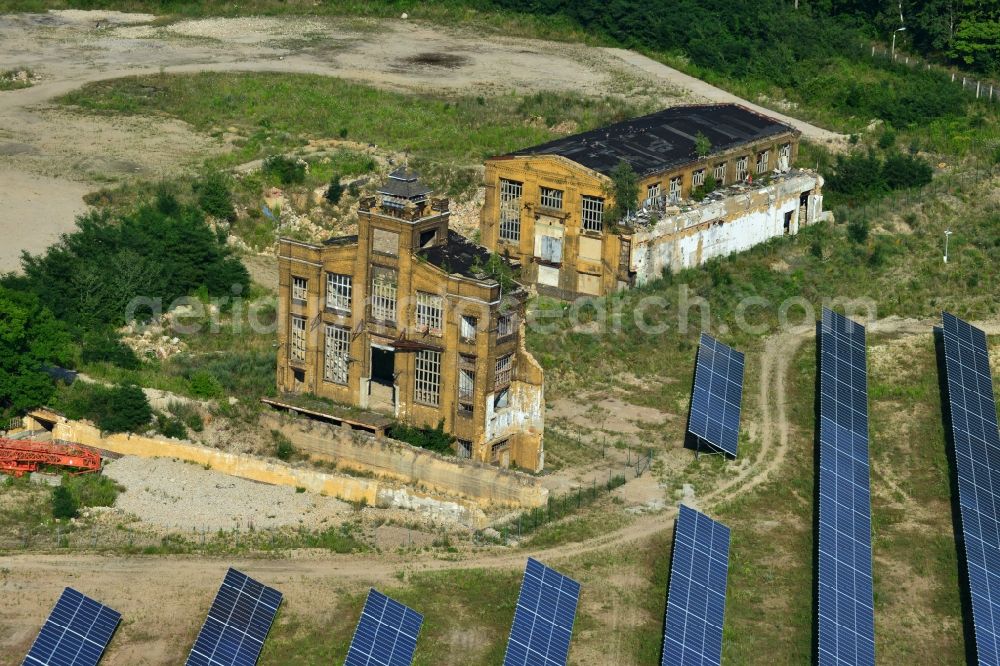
x: 20, y: 456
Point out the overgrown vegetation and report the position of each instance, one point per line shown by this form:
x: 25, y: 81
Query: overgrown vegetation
x: 112, y: 408
x: 624, y: 192
x: 80, y: 491
x: 433, y: 439
x: 31, y: 340
x: 859, y: 176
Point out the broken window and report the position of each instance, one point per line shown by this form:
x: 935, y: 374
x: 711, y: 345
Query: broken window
x: 497, y: 449
x: 299, y: 289
x: 469, y: 327
x: 504, y: 371
x: 428, y: 237
x: 466, y: 383
x: 510, y: 210
x: 698, y: 178
x: 505, y: 325
x: 501, y: 399
x: 383, y: 294
x: 592, y: 214
x: 785, y: 156
x: 464, y: 449
x: 338, y: 292
x: 741, y: 168
x: 297, y: 343
x: 652, y: 193
x: 427, y: 381
x: 337, y: 354
x: 551, y: 249
x: 551, y: 198
x: 762, y: 159
x: 675, y: 189
x: 720, y: 173
x: 429, y: 312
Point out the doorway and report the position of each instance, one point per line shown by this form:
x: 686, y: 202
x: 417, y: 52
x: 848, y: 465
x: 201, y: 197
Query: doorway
x: 383, y: 378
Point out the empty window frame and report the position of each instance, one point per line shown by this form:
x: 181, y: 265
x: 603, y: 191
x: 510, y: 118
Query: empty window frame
x: 741, y: 168
x: 510, y: 210
x: 551, y: 198
x: 466, y: 383
x: 496, y: 450
x: 338, y: 292
x: 592, y: 214
x: 652, y: 192
x: 468, y: 329
x: 675, y: 188
x: 505, y: 325
x: 464, y: 449
x: 698, y: 178
x: 299, y: 289
x: 504, y: 371
x: 763, y: 157
x: 383, y: 294
x: 720, y: 173
x: 297, y: 340
x: 427, y: 379
x: 430, y: 312
x: 785, y: 156
x: 337, y: 354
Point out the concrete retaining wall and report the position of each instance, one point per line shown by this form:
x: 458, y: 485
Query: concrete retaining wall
x: 352, y: 489
x: 482, y: 483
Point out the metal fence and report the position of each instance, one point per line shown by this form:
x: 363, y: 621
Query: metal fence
x: 981, y: 87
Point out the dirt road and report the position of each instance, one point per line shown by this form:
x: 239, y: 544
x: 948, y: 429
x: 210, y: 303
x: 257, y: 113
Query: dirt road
x: 49, y: 156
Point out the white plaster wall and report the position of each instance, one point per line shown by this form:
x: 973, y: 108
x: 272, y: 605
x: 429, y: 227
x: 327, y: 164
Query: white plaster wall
x: 749, y: 218
x: 526, y: 412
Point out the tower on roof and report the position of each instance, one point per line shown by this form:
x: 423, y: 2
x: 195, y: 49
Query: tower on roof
x: 402, y: 187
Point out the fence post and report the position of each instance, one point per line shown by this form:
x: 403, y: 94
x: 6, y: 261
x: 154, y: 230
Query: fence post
x: 977, y: 89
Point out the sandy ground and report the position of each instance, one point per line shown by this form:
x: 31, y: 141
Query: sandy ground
x: 77, y: 153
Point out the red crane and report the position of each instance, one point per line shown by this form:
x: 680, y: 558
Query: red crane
x: 20, y: 456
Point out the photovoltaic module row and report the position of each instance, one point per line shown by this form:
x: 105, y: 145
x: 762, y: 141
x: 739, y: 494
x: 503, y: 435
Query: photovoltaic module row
x: 76, y: 633
x: 972, y: 412
x: 846, y: 618
x: 543, y: 620
x: 386, y: 634
x: 717, y: 397
x: 696, y: 600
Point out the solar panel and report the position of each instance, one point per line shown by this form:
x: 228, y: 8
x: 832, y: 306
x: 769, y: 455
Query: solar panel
x: 696, y: 600
x: 75, y: 633
x: 977, y: 457
x: 237, y: 623
x: 846, y: 620
x: 543, y: 621
x: 386, y: 633
x: 718, y: 395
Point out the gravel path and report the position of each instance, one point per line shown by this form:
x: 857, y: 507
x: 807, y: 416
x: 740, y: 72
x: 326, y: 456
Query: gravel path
x: 173, y: 494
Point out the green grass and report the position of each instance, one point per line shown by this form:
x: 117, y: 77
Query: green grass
x: 280, y: 111
x: 8, y: 80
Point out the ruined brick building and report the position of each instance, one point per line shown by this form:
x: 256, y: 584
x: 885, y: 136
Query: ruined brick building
x: 404, y: 318
x: 545, y: 206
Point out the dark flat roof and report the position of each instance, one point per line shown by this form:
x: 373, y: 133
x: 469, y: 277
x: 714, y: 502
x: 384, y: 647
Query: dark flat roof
x: 662, y: 140
x: 341, y: 240
x: 456, y: 255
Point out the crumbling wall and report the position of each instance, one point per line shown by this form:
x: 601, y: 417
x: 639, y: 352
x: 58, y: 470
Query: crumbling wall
x: 482, y: 483
x: 686, y: 239
x: 352, y: 489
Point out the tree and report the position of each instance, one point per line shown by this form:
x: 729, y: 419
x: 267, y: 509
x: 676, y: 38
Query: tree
x: 702, y: 145
x: 334, y: 191
x: 64, y: 505
x: 624, y: 190
x: 214, y: 195
x: 30, y: 340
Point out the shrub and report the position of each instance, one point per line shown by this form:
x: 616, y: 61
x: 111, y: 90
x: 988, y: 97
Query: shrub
x: 887, y: 139
x: 435, y: 439
x: 335, y: 191
x: 187, y: 414
x: 114, y: 409
x: 170, y: 427
x: 105, y: 347
x: 92, y: 489
x: 857, y: 229
x: 283, y: 448
x: 287, y: 170
x: 215, y: 196
x: 205, y: 385
x: 906, y: 171
x: 64, y: 505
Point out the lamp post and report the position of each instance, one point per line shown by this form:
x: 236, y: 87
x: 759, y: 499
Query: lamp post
x: 893, y: 56
x: 947, y: 233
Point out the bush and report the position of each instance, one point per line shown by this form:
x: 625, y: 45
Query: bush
x: 187, y: 414
x: 335, y: 191
x: 887, y: 139
x: 64, y: 505
x: 215, y: 196
x: 434, y: 440
x: 287, y: 170
x: 906, y: 171
x: 283, y: 448
x: 857, y: 230
x: 205, y: 385
x: 92, y: 489
x: 113, y: 409
x: 106, y: 347
x: 169, y: 426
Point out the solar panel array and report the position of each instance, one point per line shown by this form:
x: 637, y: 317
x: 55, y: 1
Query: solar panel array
x: 977, y: 457
x: 543, y: 620
x: 846, y: 615
x: 718, y: 395
x: 696, y: 600
x: 386, y: 633
x: 237, y: 623
x: 75, y: 633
